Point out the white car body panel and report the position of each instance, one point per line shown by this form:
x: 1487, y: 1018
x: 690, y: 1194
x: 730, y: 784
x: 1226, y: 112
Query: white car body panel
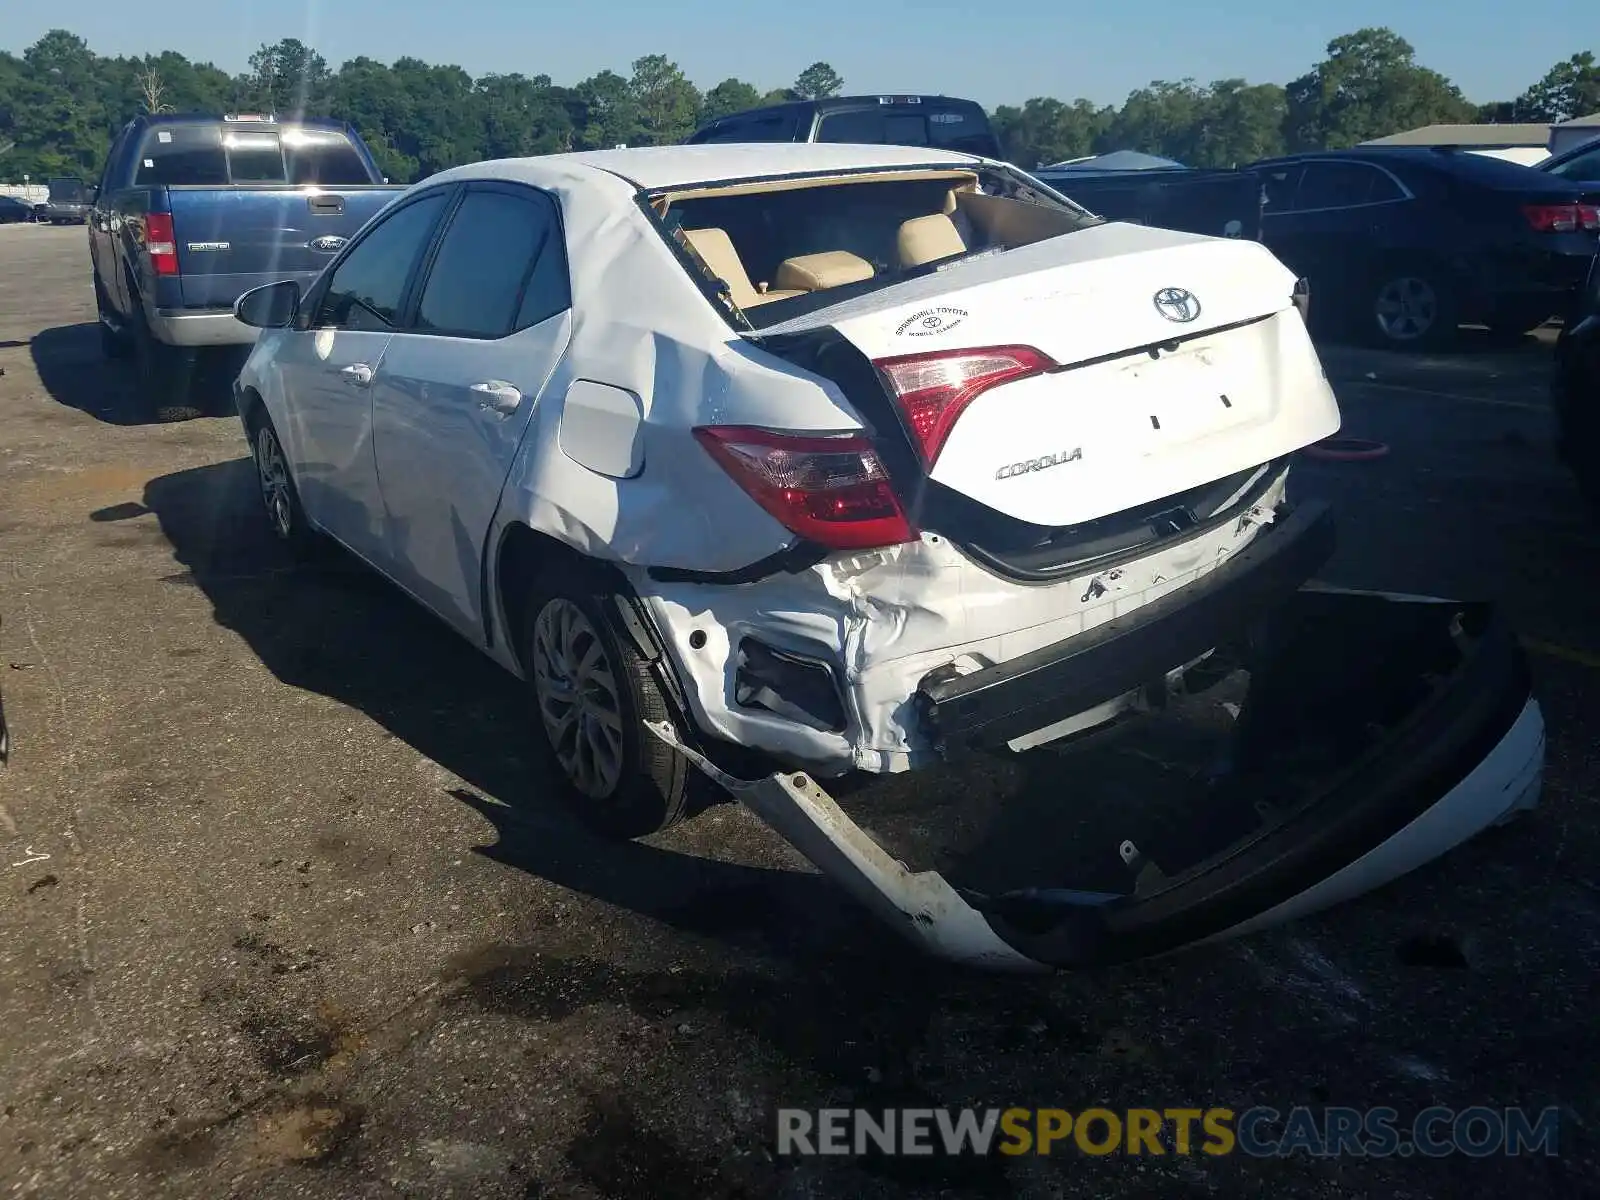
x: 580, y: 429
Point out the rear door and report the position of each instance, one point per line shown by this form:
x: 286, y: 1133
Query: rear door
x: 457, y: 389
x: 327, y: 370
x: 1339, y: 216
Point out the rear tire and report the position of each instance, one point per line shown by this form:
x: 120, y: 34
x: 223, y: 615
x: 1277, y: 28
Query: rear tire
x: 592, y: 692
x: 113, y: 345
x: 164, y: 374
x: 1411, y: 306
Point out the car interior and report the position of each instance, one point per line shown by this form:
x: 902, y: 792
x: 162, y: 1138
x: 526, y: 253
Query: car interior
x: 764, y: 244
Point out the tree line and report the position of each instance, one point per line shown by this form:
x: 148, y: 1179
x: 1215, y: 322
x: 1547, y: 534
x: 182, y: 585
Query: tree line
x: 61, y: 104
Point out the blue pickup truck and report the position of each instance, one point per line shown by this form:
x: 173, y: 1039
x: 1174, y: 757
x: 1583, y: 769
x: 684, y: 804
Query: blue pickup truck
x: 193, y: 211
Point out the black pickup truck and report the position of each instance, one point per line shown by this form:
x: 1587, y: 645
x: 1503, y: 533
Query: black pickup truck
x: 193, y: 211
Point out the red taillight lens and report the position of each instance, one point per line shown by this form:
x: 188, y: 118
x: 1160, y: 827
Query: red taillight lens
x: 159, y: 243
x: 1562, y: 218
x: 829, y: 490
x: 933, y: 389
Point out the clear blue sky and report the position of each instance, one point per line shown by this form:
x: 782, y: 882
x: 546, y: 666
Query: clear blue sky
x: 996, y: 53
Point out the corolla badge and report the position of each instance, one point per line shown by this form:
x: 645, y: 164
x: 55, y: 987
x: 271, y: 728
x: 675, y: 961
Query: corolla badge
x: 328, y: 244
x: 1176, y: 304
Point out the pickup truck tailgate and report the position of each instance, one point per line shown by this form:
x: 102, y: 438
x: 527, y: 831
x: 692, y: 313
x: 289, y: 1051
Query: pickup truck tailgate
x: 233, y: 239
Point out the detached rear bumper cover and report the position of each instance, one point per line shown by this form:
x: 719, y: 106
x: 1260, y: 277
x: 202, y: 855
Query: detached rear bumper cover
x: 1467, y: 754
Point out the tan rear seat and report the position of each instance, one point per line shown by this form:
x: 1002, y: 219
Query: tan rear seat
x: 817, y: 272
x: 923, y: 240
x: 715, y: 248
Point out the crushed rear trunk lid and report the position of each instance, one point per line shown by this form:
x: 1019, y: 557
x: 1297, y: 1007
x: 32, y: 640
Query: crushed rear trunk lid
x: 1343, y: 741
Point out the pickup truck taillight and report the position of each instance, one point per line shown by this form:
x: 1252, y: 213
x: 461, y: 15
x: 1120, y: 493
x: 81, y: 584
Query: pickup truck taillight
x: 159, y: 243
x: 1562, y: 218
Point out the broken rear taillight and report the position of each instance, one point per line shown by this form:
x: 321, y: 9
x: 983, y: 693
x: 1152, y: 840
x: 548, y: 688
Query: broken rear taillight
x: 831, y: 490
x: 933, y: 389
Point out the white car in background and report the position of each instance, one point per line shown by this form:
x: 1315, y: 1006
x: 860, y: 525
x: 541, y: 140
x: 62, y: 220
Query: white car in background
x: 859, y: 458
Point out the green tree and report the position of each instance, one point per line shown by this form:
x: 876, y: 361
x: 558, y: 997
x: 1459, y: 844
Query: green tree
x: 1046, y: 131
x: 1163, y: 118
x: 58, y: 115
x: 817, y: 82
x: 287, y: 77
x: 665, y: 103
x: 523, y: 116
x: 1368, y: 86
x: 1569, y: 89
x: 603, y: 112
x: 1239, y: 123
x: 729, y: 96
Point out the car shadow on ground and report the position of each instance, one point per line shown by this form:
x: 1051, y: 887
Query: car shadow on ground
x: 76, y: 374
x: 338, y: 629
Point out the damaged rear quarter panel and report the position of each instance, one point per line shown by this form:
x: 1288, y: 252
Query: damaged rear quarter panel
x: 641, y: 324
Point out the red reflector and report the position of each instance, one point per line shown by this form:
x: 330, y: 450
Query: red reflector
x: 934, y: 389
x: 1561, y: 218
x: 829, y: 490
x: 159, y: 243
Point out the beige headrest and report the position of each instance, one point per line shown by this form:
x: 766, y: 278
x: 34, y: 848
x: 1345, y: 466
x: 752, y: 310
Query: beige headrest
x: 927, y: 239
x: 815, y: 272
x: 715, y: 247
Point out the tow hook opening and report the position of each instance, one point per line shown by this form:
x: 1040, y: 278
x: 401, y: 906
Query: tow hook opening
x: 795, y: 686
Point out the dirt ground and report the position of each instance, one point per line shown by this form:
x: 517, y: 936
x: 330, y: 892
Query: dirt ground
x: 285, y: 912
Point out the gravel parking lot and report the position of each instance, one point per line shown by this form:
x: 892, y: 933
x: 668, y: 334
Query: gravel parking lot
x: 285, y: 912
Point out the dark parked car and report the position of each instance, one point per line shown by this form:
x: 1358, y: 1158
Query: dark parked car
x: 942, y: 122
x: 1576, y: 389
x: 68, y: 203
x: 1402, y: 246
x: 13, y: 210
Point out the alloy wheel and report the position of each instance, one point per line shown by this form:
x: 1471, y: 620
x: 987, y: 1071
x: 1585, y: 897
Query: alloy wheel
x: 1407, y: 308
x: 578, y: 698
x: 273, y: 472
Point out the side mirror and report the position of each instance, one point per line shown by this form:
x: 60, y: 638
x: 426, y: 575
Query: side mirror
x: 91, y: 194
x: 270, y: 307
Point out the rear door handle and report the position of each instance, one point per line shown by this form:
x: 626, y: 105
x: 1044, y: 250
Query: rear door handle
x: 498, y: 396
x: 325, y: 205
x: 359, y: 374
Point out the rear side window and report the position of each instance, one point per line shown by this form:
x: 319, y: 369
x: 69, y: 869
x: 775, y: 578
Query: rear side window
x: 1337, y: 185
x: 181, y: 156
x: 368, y: 287
x: 948, y: 127
x: 1278, y: 186
x: 865, y: 126
x: 254, y: 157
x: 1585, y: 168
x: 772, y: 127
x: 500, y: 268
x: 323, y: 156
x: 962, y: 129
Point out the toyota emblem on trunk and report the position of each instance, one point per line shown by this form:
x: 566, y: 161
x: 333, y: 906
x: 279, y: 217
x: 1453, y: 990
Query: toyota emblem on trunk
x: 1176, y: 304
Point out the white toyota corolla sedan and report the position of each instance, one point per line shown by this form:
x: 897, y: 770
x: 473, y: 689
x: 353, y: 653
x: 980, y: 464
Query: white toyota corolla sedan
x: 859, y: 458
